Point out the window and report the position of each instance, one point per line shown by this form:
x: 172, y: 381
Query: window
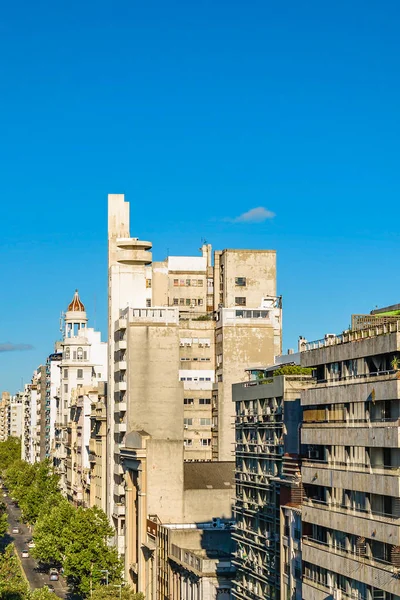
x: 79, y: 354
x: 188, y: 421
x: 187, y: 301
x: 65, y: 374
x: 80, y: 374
x: 188, y: 401
x: 67, y: 353
x: 148, y: 283
x: 176, y: 282
x: 205, y: 401
x: 175, y: 301
x: 205, y: 442
x: 240, y: 281
x: 205, y: 421
x: 182, y: 301
x: 188, y: 442
x: 66, y: 388
x: 194, y: 282
x: 148, y: 302
x: 240, y: 301
x: 200, y: 301
x: 200, y: 282
x: 187, y: 282
x: 208, y: 378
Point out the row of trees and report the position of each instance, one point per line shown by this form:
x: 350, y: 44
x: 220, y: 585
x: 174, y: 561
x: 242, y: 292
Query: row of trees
x: 76, y: 539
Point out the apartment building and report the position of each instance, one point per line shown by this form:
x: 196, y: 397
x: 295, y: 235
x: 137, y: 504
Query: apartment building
x: 181, y: 331
x: 267, y: 422
x: 4, y: 405
x: 83, y: 366
x: 98, y: 448
x: 350, y: 473
x: 29, y: 422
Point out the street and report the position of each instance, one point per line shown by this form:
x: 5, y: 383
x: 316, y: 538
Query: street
x: 35, y: 579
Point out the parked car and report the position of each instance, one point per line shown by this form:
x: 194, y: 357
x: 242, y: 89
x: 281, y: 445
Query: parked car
x: 25, y: 554
x: 4, y: 495
x: 31, y: 544
x: 49, y: 587
x: 15, y: 529
x: 53, y: 575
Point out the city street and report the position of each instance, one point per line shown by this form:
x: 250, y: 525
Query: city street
x: 35, y: 579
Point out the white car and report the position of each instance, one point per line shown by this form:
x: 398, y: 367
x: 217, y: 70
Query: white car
x: 31, y: 544
x: 25, y: 554
x: 15, y: 529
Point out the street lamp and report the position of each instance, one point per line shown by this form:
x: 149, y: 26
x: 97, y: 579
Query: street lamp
x: 106, y: 571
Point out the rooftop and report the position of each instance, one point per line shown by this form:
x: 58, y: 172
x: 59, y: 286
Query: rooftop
x: 209, y: 475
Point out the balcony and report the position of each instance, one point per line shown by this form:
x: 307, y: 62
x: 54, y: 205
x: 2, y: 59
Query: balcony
x: 367, y: 434
x: 371, y: 571
x: 120, y: 386
x: 119, y: 510
x: 119, y: 490
x: 120, y: 345
x: 120, y: 365
x: 119, y: 407
x: 360, y: 523
x: 383, y: 386
x: 120, y: 427
x: 385, y: 481
x: 118, y: 469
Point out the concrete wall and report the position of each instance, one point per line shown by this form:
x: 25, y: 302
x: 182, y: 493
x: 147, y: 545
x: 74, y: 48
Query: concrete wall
x: 202, y: 505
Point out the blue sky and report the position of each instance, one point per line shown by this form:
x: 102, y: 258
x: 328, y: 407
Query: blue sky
x: 198, y: 112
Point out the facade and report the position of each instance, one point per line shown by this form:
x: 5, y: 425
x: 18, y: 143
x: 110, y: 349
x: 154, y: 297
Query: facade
x: 11, y: 416
x: 180, y: 331
x: 98, y: 448
x: 83, y: 366
x: 29, y: 421
x: 350, y: 433
x: 268, y: 417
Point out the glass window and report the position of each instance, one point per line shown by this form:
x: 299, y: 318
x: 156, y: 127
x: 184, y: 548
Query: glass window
x: 80, y: 374
x: 148, y: 283
x: 65, y: 387
x: 200, y: 282
x: 188, y: 401
x: 79, y: 353
x: 148, y: 302
x: 187, y: 301
x: 65, y: 374
x: 205, y: 442
x: 240, y: 301
x: 67, y: 353
x: 181, y: 301
x: 205, y: 421
x: 176, y: 282
x: 205, y: 401
x: 175, y: 301
x: 188, y: 442
x: 240, y: 281
x: 188, y: 421
x: 187, y: 282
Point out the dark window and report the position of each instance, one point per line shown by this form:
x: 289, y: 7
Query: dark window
x: 240, y: 281
x: 240, y: 301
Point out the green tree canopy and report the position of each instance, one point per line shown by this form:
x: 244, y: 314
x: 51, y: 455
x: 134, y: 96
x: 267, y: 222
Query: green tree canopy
x: 110, y: 592
x: 41, y: 594
x: 10, y: 451
x: 13, y: 585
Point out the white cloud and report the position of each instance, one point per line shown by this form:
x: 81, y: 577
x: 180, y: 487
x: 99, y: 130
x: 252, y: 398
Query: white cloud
x: 10, y: 347
x: 254, y: 215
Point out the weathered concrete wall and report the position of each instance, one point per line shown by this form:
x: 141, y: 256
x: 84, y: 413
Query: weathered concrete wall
x: 345, y: 434
x: 202, y: 505
x: 340, y: 392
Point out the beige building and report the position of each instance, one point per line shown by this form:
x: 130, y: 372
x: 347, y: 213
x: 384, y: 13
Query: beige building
x: 351, y: 509
x: 11, y: 416
x: 98, y: 449
x: 181, y: 331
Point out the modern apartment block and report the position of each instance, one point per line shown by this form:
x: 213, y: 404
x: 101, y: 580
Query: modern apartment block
x: 29, y: 422
x: 11, y: 416
x: 180, y: 332
x: 350, y: 433
x: 83, y: 367
x: 267, y: 422
x: 4, y: 406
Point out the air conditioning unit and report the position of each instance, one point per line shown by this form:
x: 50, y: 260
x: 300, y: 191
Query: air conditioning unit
x: 185, y: 427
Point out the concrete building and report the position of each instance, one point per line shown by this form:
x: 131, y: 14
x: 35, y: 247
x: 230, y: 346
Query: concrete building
x: 268, y: 417
x: 98, y: 448
x: 83, y: 366
x: 4, y: 404
x: 350, y: 433
x: 29, y: 422
x: 180, y: 332
x: 11, y: 416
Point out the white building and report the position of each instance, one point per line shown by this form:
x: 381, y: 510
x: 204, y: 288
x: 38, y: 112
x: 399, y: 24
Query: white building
x: 83, y: 365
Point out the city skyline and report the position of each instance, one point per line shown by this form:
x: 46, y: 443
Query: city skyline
x: 198, y: 117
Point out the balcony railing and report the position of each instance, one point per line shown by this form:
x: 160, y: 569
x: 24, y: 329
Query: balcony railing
x: 356, y: 512
x: 352, y: 336
x: 353, y: 555
x: 355, y: 467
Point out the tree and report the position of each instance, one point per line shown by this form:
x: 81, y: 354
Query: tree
x: 10, y: 451
x: 3, y: 519
x: 50, y: 534
x: 110, y: 592
x: 13, y: 586
x: 41, y: 594
x: 88, y: 552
